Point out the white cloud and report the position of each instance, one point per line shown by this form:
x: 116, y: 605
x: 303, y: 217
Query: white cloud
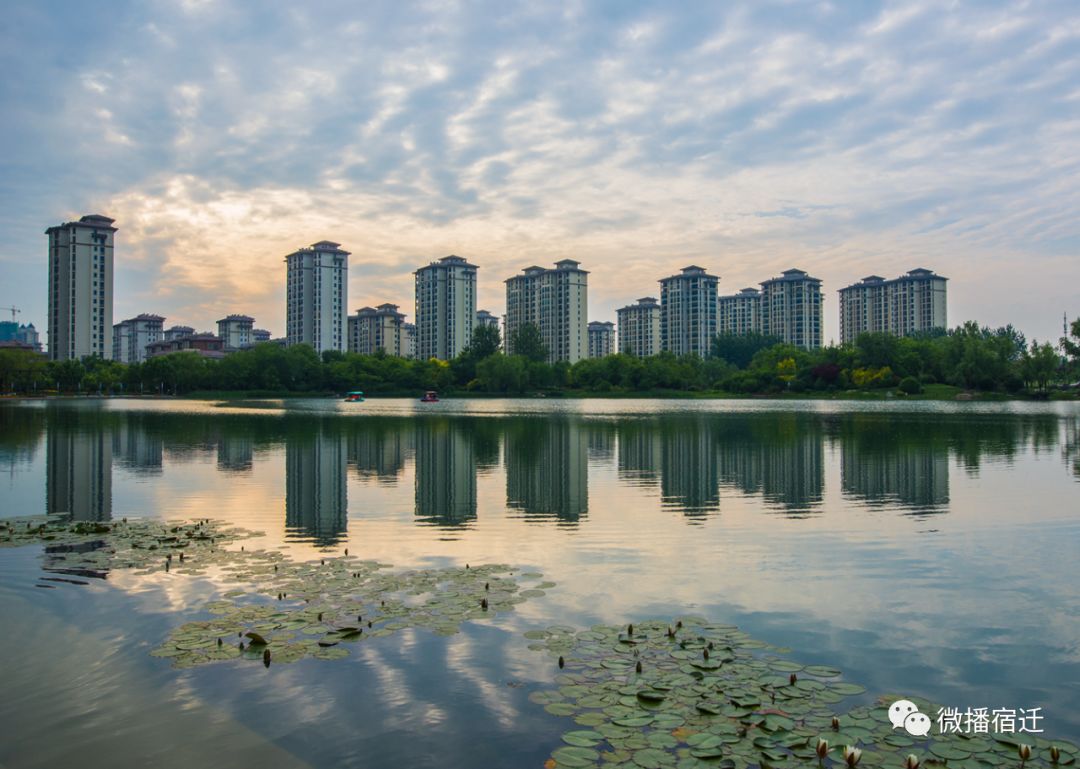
x: 635, y: 141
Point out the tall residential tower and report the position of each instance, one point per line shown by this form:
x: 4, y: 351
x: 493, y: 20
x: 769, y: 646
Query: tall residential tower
x: 445, y: 307
x: 81, y: 288
x: 791, y: 309
x: 556, y: 302
x: 903, y: 306
x: 688, y: 312
x: 639, y: 328
x: 315, y: 296
x: 740, y: 313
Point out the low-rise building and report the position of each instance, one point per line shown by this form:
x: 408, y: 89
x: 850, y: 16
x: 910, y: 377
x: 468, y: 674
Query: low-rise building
x: 236, y: 331
x: 132, y: 336
x: 260, y: 335
x: 205, y: 344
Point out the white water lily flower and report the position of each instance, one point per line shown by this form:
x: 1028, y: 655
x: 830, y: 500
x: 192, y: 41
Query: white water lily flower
x: 852, y: 755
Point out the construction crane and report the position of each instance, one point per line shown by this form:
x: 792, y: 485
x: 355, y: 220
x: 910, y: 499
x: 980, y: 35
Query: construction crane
x: 12, y: 310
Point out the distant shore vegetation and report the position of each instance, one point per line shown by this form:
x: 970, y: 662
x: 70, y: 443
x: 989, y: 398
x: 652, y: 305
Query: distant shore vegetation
x: 969, y: 358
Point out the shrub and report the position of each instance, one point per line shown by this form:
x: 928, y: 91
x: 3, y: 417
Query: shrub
x: 910, y: 386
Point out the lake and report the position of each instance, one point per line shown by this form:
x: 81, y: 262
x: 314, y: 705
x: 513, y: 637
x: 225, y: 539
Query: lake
x: 926, y: 549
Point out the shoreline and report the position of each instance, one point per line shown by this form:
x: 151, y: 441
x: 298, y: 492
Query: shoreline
x: 942, y: 393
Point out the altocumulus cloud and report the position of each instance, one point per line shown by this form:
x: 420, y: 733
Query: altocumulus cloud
x: 843, y: 138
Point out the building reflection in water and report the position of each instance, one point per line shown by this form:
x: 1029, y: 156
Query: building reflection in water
x: 688, y: 473
x: 445, y: 473
x: 315, y: 496
x: 639, y: 452
x: 893, y: 462
x: 377, y: 452
x: 1070, y: 449
x: 602, y: 440
x: 547, y: 473
x: 79, y: 473
x: 136, y: 449
x: 778, y: 456
x: 235, y: 453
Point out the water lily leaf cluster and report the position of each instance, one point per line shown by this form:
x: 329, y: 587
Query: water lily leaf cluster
x: 295, y: 610
x: 280, y: 610
x: 146, y: 545
x: 693, y: 694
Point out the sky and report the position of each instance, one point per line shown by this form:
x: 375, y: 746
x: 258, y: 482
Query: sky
x: 842, y: 138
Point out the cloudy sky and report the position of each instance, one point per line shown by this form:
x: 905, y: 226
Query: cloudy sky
x: 843, y: 138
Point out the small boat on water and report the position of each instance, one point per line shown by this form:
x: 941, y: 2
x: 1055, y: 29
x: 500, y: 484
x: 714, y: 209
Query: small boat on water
x: 430, y: 397
x: 356, y: 396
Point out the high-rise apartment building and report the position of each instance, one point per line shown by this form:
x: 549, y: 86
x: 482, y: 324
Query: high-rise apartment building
x: 556, y: 301
x: 81, y: 288
x: 236, y: 331
x: 639, y: 328
x: 601, y: 338
x: 445, y: 307
x: 903, y: 306
x: 259, y: 335
x: 408, y: 340
x: 791, y: 309
x: 131, y: 337
x: 316, y: 293
x: 740, y: 313
x: 485, y: 318
x: 377, y: 328
x: 688, y: 312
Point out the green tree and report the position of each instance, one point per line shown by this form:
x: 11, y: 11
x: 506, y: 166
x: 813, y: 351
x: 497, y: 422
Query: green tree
x: 1040, y: 365
x: 527, y: 342
x: 21, y: 370
x: 485, y: 342
x: 740, y: 349
x: 1071, y: 347
x: 68, y: 374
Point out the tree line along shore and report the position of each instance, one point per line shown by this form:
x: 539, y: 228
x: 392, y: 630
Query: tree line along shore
x: 967, y: 359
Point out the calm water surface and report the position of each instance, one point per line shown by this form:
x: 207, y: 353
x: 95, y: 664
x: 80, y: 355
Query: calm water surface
x: 926, y: 549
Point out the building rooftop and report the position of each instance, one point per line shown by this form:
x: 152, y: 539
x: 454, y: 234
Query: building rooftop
x: 323, y: 246
x: 601, y: 324
x: 792, y: 275
x: 692, y: 271
x: 563, y: 265
x: 90, y: 220
x: 919, y: 273
x: 646, y: 302
x: 453, y: 260
x: 744, y: 293
x: 243, y: 318
x: 922, y: 272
